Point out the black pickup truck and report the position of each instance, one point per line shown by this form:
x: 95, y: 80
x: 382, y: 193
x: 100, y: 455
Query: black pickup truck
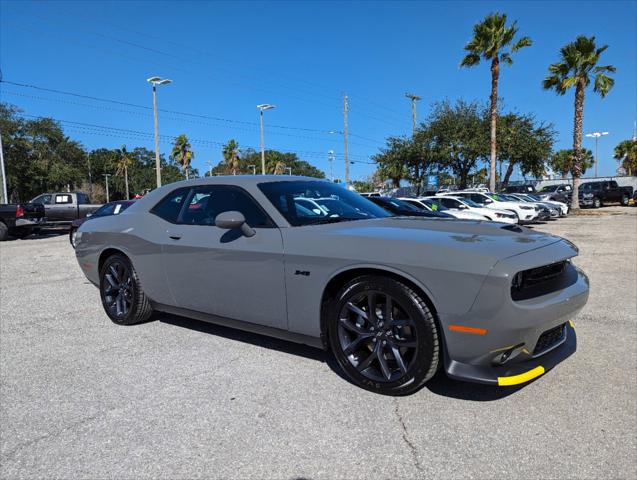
x: 20, y: 220
x: 596, y: 194
x: 64, y: 207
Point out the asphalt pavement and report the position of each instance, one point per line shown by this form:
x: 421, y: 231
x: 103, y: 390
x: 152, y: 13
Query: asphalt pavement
x: 175, y: 398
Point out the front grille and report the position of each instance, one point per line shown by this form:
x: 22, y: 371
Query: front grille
x: 549, y: 339
x: 542, y: 280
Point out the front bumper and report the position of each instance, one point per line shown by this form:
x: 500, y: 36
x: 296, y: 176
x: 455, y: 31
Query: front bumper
x: 514, y: 327
x: 586, y: 202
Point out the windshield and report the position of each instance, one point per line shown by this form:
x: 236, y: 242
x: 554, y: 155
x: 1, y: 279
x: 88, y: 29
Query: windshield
x: 434, y: 204
x: 499, y: 197
x: 306, y: 202
x: 471, y: 203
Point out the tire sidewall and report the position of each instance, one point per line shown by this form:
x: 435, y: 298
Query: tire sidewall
x: 597, y: 203
x: 427, y: 350
x: 130, y: 315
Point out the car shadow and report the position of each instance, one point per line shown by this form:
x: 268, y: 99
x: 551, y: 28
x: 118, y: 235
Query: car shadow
x: 439, y: 385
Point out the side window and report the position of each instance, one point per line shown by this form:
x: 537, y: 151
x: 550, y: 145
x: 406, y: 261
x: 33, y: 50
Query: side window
x: 64, y: 198
x: 43, y: 199
x: 205, y: 203
x: 479, y: 199
x: 105, y: 210
x: 170, y: 206
x: 82, y: 199
x: 449, y: 202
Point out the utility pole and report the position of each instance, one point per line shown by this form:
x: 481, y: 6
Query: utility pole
x: 209, y: 163
x: 345, y: 133
x: 106, y: 175
x: 414, y: 121
x: 5, y: 198
x: 154, y: 81
x: 330, y: 158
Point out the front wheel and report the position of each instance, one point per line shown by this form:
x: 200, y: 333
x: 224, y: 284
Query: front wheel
x: 624, y: 200
x: 122, y: 296
x: 383, y: 335
x: 597, y: 203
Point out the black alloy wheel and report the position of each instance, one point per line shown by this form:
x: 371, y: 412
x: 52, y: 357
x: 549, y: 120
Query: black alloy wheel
x: 384, y: 335
x: 122, y: 297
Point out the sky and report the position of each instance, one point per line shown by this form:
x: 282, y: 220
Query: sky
x: 224, y: 58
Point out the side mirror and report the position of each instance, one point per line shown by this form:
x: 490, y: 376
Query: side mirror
x: 89, y: 215
x: 462, y: 207
x: 233, y: 219
x: 488, y: 200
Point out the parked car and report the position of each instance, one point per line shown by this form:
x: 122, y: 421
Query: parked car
x: 402, y: 208
x: 596, y: 194
x: 64, y: 207
x: 525, y: 188
x: 465, y: 204
x: 20, y: 220
x: 431, y: 204
x: 392, y: 297
x: 111, y: 208
x: 561, y: 207
x: 525, y: 213
x: 544, y: 212
x: 559, y: 193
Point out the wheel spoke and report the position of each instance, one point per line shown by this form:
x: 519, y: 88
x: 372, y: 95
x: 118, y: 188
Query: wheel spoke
x: 356, y: 343
x: 357, y: 310
x: 367, y: 362
x: 114, y: 273
x: 403, y: 322
x: 403, y: 342
x: 119, y: 301
x: 111, y: 281
x: 371, y: 307
x: 352, y: 327
x: 387, y: 314
x: 399, y: 359
x: 383, y: 364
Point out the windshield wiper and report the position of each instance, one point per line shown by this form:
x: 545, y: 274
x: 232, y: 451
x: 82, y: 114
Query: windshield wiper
x: 324, y: 220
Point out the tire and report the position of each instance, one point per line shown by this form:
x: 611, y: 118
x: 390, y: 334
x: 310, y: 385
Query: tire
x: 624, y: 201
x: 72, y: 234
x: 4, y: 232
x: 122, y: 296
x: 597, y: 203
x: 393, y: 359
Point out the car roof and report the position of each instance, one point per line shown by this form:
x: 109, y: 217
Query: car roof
x: 245, y: 180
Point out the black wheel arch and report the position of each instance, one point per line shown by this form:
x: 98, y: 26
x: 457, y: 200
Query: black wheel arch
x: 340, y: 279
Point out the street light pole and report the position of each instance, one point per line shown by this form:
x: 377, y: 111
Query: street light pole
x: 5, y: 199
x: 154, y: 81
x: 106, y: 175
x: 345, y: 138
x: 330, y: 158
x: 596, y: 136
x: 262, y: 107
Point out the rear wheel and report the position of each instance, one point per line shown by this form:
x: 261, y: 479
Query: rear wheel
x: 4, y: 232
x: 383, y: 335
x: 122, y: 296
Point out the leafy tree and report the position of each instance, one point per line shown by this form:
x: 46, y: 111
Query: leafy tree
x: 182, y: 153
x: 459, y: 137
x: 123, y: 164
x: 491, y: 41
x: 231, y: 156
x: 394, y: 159
x: 626, y: 153
x: 524, y: 143
x: 577, y: 66
x: 563, y: 162
x: 250, y: 159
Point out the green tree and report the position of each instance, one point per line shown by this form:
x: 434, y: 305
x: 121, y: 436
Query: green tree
x: 577, y: 66
x: 626, y: 153
x: 460, y: 137
x: 524, y: 143
x: 231, y: 156
x: 250, y: 159
x: 182, y: 153
x: 394, y: 159
x: 563, y: 162
x: 493, y: 41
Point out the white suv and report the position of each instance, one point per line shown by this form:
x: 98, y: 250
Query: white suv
x: 526, y: 212
x: 466, y: 205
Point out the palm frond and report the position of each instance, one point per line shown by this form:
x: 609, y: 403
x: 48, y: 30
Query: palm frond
x: 470, y: 60
x: 603, y: 84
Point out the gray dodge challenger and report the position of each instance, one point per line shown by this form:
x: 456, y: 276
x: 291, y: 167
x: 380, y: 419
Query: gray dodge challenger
x: 394, y: 298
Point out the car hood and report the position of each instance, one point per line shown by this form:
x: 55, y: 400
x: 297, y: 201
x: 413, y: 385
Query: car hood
x: 491, y: 240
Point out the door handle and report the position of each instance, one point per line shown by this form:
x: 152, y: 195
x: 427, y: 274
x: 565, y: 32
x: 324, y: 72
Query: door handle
x: 175, y: 236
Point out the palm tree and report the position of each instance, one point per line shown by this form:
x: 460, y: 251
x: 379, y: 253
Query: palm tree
x: 123, y: 164
x: 491, y: 37
x: 279, y: 168
x: 182, y: 153
x: 562, y: 162
x: 577, y: 66
x: 231, y: 156
x: 626, y: 152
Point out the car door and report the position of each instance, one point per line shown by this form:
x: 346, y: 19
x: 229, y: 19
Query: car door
x: 222, y: 272
x: 63, y: 208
